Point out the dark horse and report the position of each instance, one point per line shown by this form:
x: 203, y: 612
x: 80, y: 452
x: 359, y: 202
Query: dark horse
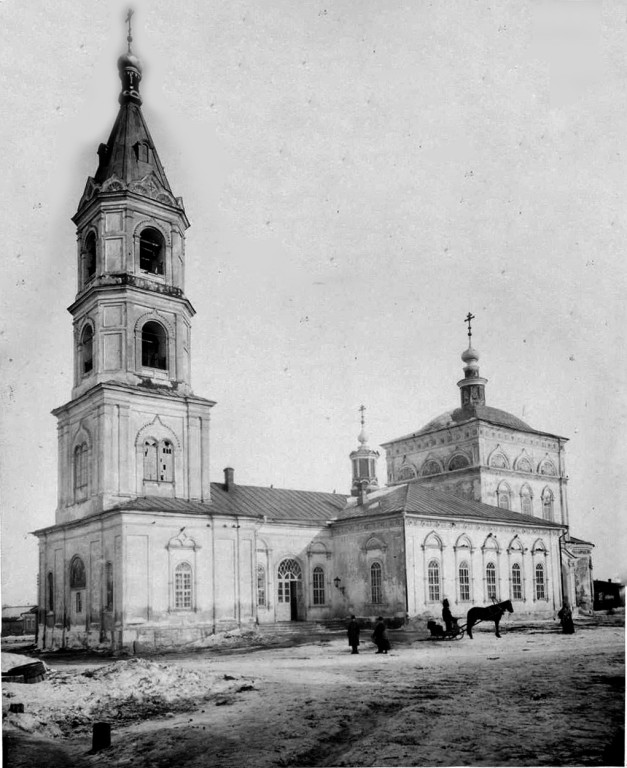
x: 489, y: 613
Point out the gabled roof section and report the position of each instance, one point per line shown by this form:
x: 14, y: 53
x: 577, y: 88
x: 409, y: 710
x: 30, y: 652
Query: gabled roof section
x: 249, y: 501
x: 416, y: 499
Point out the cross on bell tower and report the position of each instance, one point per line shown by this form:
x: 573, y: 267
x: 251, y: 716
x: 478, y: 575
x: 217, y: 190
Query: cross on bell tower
x: 364, y: 461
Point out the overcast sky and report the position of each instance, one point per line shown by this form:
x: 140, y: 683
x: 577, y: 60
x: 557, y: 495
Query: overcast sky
x: 358, y: 175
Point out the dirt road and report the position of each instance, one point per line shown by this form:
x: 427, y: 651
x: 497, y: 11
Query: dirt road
x: 534, y: 697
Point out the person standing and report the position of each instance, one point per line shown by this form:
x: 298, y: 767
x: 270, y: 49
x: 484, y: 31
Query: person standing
x: 565, y: 615
x: 353, y: 634
x: 447, y: 616
x: 380, y: 636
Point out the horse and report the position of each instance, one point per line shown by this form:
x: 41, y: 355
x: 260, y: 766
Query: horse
x: 489, y: 613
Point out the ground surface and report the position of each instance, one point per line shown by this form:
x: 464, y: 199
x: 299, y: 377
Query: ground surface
x: 534, y: 697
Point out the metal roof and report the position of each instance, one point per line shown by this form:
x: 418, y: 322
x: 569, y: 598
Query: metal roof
x: 249, y: 501
x: 413, y: 498
x: 460, y: 416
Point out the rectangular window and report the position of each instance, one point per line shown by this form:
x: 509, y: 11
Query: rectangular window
x: 79, y: 602
x: 183, y: 588
x: 261, y: 585
x: 434, y: 582
x: 516, y: 583
x: 375, y: 583
x: 464, y: 583
x: 490, y: 578
x: 109, y: 586
x: 540, y: 592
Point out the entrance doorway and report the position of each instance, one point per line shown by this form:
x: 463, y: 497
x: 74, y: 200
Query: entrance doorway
x: 290, y: 586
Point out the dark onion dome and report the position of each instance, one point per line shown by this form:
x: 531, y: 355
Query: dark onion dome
x: 129, y: 61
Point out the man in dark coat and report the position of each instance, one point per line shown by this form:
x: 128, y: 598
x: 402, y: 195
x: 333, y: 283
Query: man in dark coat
x: 353, y: 634
x: 380, y: 636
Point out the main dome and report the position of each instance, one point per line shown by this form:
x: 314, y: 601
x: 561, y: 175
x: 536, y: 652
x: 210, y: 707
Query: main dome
x: 484, y: 412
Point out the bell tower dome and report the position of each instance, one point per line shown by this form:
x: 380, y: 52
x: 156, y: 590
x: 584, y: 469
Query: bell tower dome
x: 472, y: 386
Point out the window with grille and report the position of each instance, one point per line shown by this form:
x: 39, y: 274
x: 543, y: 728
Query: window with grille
x: 79, y: 602
x: 490, y: 581
x: 433, y: 578
x: 158, y: 460
x: 516, y: 582
x: 109, y: 586
x: 464, y: 581
x: 50, y: 592
x: 289, y: 572
x: 183, y: 586
x: 261, y: 585
x: 318, y: 586
x: 376, y: 594
x: 540, y: 586
x: 81, y: 476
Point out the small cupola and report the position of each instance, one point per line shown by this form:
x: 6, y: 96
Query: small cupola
x: 130, y: 70
x: 472, y: 386
x: 364, y: 461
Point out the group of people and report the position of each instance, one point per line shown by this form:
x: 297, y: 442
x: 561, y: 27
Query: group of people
x: 380, y: 634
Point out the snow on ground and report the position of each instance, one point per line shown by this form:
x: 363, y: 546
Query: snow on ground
x: 533, y: 697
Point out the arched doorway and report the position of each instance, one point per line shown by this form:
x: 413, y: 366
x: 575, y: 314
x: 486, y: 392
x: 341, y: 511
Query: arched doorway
x: 290, y: 590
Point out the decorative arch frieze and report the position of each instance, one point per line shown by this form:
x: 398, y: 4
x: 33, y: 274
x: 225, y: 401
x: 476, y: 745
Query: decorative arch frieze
x: 82, y: 434
x: 156, y: 317
x: 547, y: 467
x: 156, y: 430
x: 407, y: 471
x: 183, y: 541
x: 433, y: 541
x: 516, y: 545
x: 490, y: 544
x: 498, y: 459
x: 459, y: 460
x: 318, y: 548
x: 463, y: 543
x: 524, y: 463
x: 431, y: 466
x: 112, y: 184
x: 539, y: 548
x: 374, y: 544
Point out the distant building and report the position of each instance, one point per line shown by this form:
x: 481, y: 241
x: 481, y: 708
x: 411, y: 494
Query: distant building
x: 608, y: 595
x: 19, y: 620
x: 146, y: 552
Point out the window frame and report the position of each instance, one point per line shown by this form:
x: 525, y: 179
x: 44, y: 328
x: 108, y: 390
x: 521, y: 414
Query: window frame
x: 491, y: 583
x: 539, y: 583
x: 376, y: 583
x: 318, y: 585
x: 434, y: 581
x: 464, y: 581
x: 516, y: 582
x: 183, y: 584
x: 152, y: 252
x: 157, y: 358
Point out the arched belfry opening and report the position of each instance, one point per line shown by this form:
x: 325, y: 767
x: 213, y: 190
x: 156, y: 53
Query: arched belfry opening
x: 87, y: 350
x: 89, y: 257
x: 154, y: 346
x: 151, y: 251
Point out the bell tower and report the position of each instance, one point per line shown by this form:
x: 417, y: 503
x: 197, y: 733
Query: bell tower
x: 133, y: 427
x: 364, y: 461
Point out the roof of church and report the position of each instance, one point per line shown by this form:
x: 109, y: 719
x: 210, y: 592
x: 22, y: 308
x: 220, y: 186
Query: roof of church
x: 249, y: 501
x: 414, y: 498
x: 463, y: 415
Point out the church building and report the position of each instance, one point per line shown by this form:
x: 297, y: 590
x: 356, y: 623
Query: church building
x: 146, y: 553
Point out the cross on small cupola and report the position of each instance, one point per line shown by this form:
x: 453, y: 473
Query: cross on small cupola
x: 364, y: 461
x: 472, y: 386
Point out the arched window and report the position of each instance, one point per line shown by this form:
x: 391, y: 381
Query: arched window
x: 464, y: 581
x: 78, y: 579
x: 89, y: 257
x: 50, y: 600
x: 490, y: 581
x: 154, y: 346
x: 150, y: 459
x: 142, y: 151
x: 524, y: 465
x: 81, y: 473
x: 458, y: 462
x: 376, y: 594
x: 433, y: 578
x: 431, y: 468
x: 526, y: 501
x: 87, y: 350
x: 261, y: 585
x: 547, y: 504
x: 503, y: 496
x: 540, y: 591
x: 109, y: 586
x: 151, y: 248
x: 516, y: 582
x: 183, y: 586
x: 318, y: 586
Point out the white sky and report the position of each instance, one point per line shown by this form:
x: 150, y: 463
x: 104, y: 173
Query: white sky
x: 358, y: 176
